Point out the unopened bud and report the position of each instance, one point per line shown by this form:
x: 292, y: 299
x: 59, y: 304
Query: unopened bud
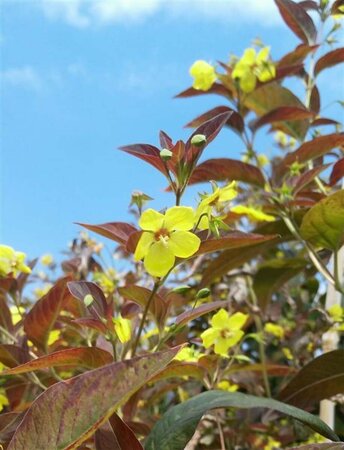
x: 203, y: 293
x: 198, y: 140
x: 181, y: 289
x: 166, y: 154
x: 88, y: 300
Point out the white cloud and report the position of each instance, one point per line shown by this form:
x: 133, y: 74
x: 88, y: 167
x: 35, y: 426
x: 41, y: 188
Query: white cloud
x: 85, y: 13
x: 26, y: 77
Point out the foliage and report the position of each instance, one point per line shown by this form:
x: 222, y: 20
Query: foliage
x: 211, y: 337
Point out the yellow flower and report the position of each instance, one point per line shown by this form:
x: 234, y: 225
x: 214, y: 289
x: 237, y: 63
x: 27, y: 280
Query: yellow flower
x: 12, y: 261
x: 3, y: 400
x: 272, y: 444
x: 122, y: 328
x: 47, y: 260
x: 225, y: 331
x: 54, y: 336
x: 287, y: 353
x: 166, y: 237
x: 106, y: 280
x: 214, y: 200
x: 336, y: 312
x: 252, y: 66
x: 204, y: 75
x: 263, y: 160
x: 17, y: 313
x: 225, y: 385
x: 253, y: 213
x: 189, y: 354
x: 274, y: 329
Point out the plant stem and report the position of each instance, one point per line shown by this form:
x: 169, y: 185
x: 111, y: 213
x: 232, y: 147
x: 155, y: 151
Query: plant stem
x: 259, y: 327
x: 144, y: 316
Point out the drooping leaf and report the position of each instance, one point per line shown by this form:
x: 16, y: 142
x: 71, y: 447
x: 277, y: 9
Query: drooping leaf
x: 221, y: 169
x: 281, y: 114
x: 318, y: 146
x: 322, y: 378
x: 117, y: 231
x: 42, y: 316
x: 323, y: 224
x: 315, y: 100
x: 70, y: 411
x: 330, y: 59
x: 272, y: 275
x: 235, y: 121
x: 90, y: 357
x: 216, y: 88
x: 324, y: 121
x: 297, y: 20
x: 298, y: 55
x: 140, y: 295
x: 337, y: 172
x: 235, y: 239
x: 176, y: 427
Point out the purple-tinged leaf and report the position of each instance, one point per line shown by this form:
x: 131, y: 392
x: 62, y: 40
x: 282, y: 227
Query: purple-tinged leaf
x: 79, y: 290
x: 194, y: 313
x: 235, y: 121
x: 216, y: 88
x: 122, y: 436
x: 42, y: 316
x: 90, y: 357
x: 12, y: 355
x: 235, y: 239
x: 324, y: 121
x: 165, y: 140
x: 117, y: 231
x: 318, y: 146
x: 180, y: 369
x: 281, y: 114
x: 297, y: 20
x: 69, y: 412
x: 315, y: 101
x: 322, y: 378
x: 307, y: 177
x: 147, y: 153
x: 337, y: 172
x: 298, y: 55
x: 330, y: 59
x: 221, y: 169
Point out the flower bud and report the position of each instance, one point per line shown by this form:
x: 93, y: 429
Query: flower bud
x: 88, y: 300
x: 166, y: 154
x: 198, y: 140
x: 181, y: 289
x: 203, y: 293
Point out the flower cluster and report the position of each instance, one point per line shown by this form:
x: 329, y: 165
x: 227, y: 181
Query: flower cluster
x: 204, y: 75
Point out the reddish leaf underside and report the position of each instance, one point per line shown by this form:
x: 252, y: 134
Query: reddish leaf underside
x: 69, y: 412
x: 232, y: 240
x: 117, y: 231
x: 330, y: 59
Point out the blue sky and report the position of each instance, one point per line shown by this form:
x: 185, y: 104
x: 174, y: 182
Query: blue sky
x: 81, y: 78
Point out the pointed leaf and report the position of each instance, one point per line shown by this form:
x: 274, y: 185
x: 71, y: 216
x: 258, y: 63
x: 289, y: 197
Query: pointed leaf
x: 323, y: 224
x: 147, y: 153
x: 298, y: 55
x: 194, y: 313
x: 235, y: 121
x: 330, y: 59
x: 12, y: 355
x: 90, y: 357
x: 79, y: 290
x: 337, y: 172
x: 307, y: 177
x: 221, y: 169
x: 69, y: 412
x: 116, y: 435
x: 216, y: 88
x: 174, y: 430
x: 117, y: 231
x: 297, y: 20
x: 318, y: 146
x: 41, y: 318
x: 281, y: 114
x: 181, y: 369
x: 321, y: 378
x: 234, y: 239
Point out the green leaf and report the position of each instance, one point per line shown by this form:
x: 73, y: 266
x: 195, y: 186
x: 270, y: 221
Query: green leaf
x: 69, y: 412
x: 321, y: 378
x: 323, y: 224
x: 178, y: 424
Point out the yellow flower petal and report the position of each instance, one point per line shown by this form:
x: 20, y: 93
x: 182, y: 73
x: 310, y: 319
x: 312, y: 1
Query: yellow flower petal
x: 237, y: 321
x: 253, y: 213
x: 228, y: 192
x: 204, y: 75
x: 274, y: 329
x: 209, y: 336
x: 223, y: 344
x: 184, y: 243
x: 248, y: 82
x: 122, y: 328
x: 159, y: 259
x: 143, y: 245
x: 249, y: 56
x: 151, y: 220
x: 263, y: 55
x: 179, y: 218
x: 220, y: 319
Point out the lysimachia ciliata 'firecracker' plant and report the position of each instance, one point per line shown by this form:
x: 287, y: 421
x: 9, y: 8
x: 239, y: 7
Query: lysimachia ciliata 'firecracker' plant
x: 225, y: 323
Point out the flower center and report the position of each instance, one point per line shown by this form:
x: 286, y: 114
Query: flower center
x: 225, y: 333
x: 162, y: 235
